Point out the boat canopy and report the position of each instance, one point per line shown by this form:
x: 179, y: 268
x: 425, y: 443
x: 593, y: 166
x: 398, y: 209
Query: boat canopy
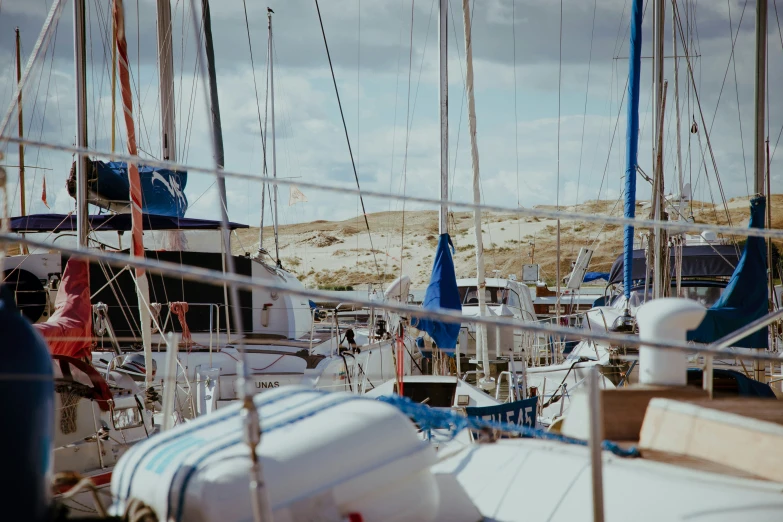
x: 745, y: 298
x: 697, y: 261
x: 442, y: 292
x: 111, y: 222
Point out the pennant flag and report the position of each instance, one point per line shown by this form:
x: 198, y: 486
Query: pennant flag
x: 296, y: 196
x: 43, y: 193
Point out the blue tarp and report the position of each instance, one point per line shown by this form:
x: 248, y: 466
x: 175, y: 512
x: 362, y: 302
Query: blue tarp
x: 442, y: 292
x: 522, y: 412
x: 746, y: 386
x: 162, y: 190
x: 745, y: 298
x: 595, y: 276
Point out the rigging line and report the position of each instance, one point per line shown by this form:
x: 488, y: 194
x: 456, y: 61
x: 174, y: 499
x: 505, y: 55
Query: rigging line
x: 584, y: 117
x: 43, y: 118
x: 617, y: 121
x: 347, y: 139
x: 516, y: 117
x: 557, y: 191
x: 780, y: 34
x: 516, y: 113
x: 255, y: 83
x: 394, y: 128
x: 464, y: 97
x: 701, y: 116
x: 407, y: 135
x: 736, y: 91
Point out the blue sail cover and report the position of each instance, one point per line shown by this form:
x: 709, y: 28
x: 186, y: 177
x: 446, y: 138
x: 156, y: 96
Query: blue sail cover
x: 632, y: 135
x: 162, y: 190
x: 442, y: 292
x: 595, y: 276
x: 745, y: 298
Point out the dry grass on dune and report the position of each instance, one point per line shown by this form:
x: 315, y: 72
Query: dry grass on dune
x: 332, y: 254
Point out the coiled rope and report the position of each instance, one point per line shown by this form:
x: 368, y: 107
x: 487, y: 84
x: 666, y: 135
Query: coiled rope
x: 431, y: 418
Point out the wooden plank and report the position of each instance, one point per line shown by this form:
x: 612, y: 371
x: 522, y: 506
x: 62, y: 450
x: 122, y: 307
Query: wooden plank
x: 624, y: 408
x: 716, y: 432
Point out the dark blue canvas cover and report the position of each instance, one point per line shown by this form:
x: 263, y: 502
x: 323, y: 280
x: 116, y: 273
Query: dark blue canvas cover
x: 442, y: 292
x: 162, y: 190
x: 111, y: 222
x: 745, y: 298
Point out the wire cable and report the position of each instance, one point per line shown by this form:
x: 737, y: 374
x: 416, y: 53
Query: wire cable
x: 347, y: 138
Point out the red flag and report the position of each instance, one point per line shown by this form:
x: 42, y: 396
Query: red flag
x: 43, y: 193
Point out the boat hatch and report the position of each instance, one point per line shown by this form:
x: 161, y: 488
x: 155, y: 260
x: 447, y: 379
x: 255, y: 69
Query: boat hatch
x: 436, y: 394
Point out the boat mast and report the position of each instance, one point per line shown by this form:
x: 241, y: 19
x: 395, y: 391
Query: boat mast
x: 680, y: 187
x: 481, y: 330
x: 220, y: 158
x: 657, y: 196
x: 270, y: 50
x: 82, y: 221
x: 443, y: 97
x: 134, y: 182
x: 632, y: 139
x: 251, y: 423
x: 166, y: 79
x: 20, y: 122
x: 759, y: 96
x: 759, y: 159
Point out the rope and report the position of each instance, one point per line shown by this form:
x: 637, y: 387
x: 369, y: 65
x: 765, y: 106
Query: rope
x: 430, y: 418
x: 180, y: 308
x: 347, y: 138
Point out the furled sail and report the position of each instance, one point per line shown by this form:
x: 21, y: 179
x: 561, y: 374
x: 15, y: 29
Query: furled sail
x: 108, y: 186
x: 745, y: 298
x: 442, y: 292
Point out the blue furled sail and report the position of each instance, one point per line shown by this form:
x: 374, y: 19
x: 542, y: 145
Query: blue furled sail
x: 442, y: 292
x: 632, y: 136
x: 745, y: 298
x: 162, y: 190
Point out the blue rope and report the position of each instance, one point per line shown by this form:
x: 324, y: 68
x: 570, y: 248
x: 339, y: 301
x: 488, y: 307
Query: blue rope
x: 430, y: 418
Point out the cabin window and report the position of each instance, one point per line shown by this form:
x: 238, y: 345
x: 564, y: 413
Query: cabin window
x: 492, y: 295
x: 513, y: 300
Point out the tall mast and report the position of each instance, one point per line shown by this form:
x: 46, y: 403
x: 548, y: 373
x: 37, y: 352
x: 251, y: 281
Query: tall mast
x: 270, y: 50
x: 251, y: 424
x: 220, y: 162
x: 166, y: 76
x: 443, y: 94
x: 20, y: 122
x: 632, y: 139
x: 657, y: 196
x: 759, y: 159
x: 134, y: 182
x: 82, y: 221
x: 482, y: 349
x: 760, y: 96
x: 680, y: 186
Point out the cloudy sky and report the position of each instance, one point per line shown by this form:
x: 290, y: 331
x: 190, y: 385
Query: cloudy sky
x: 385, y: 57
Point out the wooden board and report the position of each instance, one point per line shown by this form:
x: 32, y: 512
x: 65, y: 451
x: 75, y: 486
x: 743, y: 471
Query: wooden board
x: 743, y: 434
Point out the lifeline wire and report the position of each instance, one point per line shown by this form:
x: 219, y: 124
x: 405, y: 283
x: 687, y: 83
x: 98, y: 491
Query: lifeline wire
x: 672, y: 226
